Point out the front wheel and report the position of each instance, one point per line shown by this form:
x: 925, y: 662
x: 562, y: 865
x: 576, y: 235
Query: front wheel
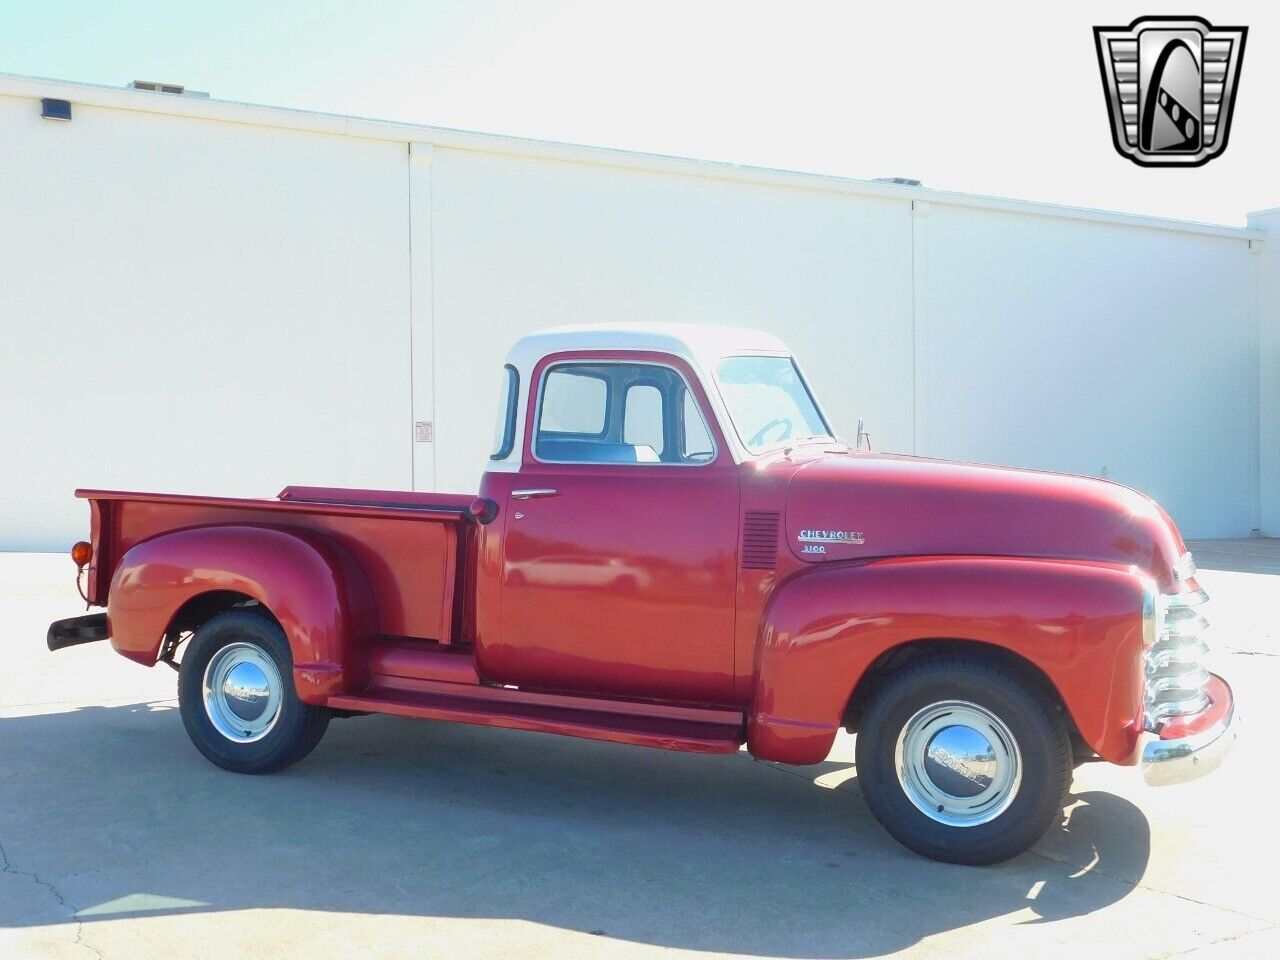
x: 963, y: 761
x: 236, y: 694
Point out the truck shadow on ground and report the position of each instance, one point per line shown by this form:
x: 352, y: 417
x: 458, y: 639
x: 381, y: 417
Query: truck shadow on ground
x: 112, y: 812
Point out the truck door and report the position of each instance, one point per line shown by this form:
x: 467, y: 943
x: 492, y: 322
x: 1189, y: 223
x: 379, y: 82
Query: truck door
x: 621, y: 528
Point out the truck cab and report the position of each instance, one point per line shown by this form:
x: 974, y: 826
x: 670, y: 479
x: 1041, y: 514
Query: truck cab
x: 670, y: 547
x: 619, y: 457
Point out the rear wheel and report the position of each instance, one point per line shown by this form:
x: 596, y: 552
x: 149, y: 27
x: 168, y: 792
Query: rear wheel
x: 236, y: 694
x: 963, y: 761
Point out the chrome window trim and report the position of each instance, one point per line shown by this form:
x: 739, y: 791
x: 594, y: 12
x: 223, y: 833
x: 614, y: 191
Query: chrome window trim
x: 537, y: 415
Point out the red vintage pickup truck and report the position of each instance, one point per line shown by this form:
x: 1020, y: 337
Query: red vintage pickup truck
x: 671, y: 548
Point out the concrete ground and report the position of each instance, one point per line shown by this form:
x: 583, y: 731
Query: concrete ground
x: 402, y: 838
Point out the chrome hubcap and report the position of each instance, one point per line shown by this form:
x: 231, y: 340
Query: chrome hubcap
x: 958, y: 763
x: 242, y: 692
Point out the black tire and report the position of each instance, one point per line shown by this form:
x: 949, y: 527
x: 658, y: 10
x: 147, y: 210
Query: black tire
x: 1042, y: 741
x: 298, y: 726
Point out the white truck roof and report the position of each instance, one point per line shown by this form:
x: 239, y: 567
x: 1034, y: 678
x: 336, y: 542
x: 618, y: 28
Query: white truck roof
x: 699, y: 345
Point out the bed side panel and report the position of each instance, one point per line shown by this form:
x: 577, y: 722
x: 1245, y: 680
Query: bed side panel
x: 410, y: 562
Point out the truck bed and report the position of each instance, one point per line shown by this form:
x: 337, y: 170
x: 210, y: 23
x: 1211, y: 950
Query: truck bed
x: 413, y: 547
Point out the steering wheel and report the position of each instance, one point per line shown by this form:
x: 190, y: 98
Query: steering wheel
x: 758, y: 436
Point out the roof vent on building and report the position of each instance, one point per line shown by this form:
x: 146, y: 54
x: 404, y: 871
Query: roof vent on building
x: 52, y: 109
x: 899, y: 181
x: 177, y: 89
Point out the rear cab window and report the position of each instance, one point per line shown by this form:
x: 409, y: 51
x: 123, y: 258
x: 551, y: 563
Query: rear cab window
x: 504, y: 431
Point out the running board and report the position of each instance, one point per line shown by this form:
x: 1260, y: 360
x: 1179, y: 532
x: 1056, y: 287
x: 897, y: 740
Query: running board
x: 719, y: 732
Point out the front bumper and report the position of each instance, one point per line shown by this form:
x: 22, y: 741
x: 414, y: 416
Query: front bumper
x: 1190, y: 747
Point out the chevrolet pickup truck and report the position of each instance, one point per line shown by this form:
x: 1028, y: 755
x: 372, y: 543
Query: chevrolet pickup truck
x: 671, y: 548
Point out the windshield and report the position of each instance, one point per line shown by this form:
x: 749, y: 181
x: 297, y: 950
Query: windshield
x: 768, y: 401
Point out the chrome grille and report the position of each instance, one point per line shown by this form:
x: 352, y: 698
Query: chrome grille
x: 1173, y: 665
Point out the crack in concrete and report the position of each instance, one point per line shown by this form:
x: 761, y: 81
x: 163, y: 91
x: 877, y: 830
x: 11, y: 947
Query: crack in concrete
x: 7, y: 867
x: 1156, y: 890
x: 1214, y: 943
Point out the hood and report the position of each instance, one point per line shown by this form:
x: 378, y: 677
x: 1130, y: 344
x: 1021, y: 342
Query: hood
x: 848, y: 506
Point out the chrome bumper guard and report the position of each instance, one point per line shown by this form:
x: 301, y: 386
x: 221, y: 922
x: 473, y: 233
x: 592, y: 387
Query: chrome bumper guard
x: 1166, y: 762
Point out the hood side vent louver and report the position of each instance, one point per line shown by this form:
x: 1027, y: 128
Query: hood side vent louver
x: 760, y: 540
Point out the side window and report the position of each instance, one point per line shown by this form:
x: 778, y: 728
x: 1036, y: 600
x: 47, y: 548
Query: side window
x: 619, y: 413
x: 504, y: 431
x: 574, y: 401
x: 642, y: 418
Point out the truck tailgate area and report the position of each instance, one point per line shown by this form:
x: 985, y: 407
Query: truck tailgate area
x: 411, y: 547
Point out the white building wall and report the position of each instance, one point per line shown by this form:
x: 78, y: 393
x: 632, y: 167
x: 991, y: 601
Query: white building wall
x: 1102, y: 349
x: 523, y: 243
x: 190, y: 305
x: 215, y: 298
x: 1268, y: 313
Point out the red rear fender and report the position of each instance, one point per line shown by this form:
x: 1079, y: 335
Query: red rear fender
x: 1079, y: 623
x: 309, y: 584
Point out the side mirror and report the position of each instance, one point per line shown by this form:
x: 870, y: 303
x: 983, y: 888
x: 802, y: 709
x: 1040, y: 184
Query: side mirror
x: 864, y: 439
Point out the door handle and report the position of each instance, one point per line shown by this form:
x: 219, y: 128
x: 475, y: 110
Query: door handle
x: 528, y: 493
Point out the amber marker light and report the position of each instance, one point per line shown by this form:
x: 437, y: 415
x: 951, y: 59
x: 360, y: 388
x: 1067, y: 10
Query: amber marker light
x: 82, y: 553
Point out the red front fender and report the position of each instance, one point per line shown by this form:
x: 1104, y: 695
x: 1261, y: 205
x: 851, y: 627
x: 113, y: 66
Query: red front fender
x: 1079, y: 622
x: 313, y: 588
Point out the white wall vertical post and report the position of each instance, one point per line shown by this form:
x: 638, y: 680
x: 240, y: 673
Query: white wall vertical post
x: 919, y: 313
x: 422, y: 317
x: 1268, y: 314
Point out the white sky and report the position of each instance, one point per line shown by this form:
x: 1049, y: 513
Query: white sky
x: 997, y: 98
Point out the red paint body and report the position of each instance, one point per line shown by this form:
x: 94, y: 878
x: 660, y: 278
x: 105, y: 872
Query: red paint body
x: 624, y: 608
